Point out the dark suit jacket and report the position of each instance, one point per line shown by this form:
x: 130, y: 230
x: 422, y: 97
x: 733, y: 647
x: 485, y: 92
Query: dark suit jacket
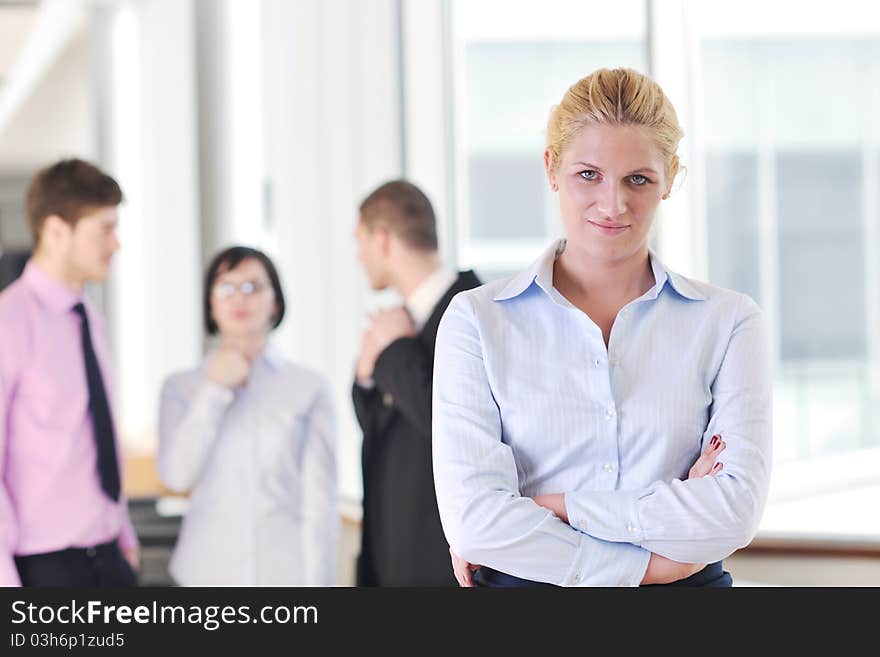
x: 403, y: 543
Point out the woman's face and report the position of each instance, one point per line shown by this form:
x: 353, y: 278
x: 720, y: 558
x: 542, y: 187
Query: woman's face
x: 243, y: 301
x: 610, y: 180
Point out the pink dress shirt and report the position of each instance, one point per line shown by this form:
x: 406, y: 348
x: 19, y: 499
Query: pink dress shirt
x: 50, y: 493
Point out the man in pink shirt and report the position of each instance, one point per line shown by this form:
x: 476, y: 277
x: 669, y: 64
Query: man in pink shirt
x: 63, y: 517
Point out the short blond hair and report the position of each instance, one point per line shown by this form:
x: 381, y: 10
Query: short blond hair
x: 619, y: 96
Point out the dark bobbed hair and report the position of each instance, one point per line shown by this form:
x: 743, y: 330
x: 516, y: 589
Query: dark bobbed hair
x: 230, y: 259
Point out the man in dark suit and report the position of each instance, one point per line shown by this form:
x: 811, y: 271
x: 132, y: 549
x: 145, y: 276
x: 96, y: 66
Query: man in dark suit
x: 402, y: 540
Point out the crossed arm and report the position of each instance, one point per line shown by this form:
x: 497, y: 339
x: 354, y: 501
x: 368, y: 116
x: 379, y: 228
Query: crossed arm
x: 660, y: 569
x: 610, y: 536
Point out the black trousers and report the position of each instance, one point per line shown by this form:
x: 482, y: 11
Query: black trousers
x: 712, y: 575
x: 100, y: 566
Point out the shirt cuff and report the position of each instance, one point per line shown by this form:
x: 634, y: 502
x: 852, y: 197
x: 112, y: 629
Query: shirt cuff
x: 610, y: 515
x: 8, y: 571
x: 128, y: 539
x: 213, y: 394
x: 603, y: 563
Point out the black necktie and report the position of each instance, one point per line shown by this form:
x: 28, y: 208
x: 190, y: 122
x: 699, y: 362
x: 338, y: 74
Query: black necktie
x: 108, y: 468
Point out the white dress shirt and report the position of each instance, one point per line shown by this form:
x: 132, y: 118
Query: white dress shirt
x: 528, y: 400
x: 261, y: 468
x: 422, y: 300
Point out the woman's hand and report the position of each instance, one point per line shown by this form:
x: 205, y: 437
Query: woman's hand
x: 706, y: 465
x: 662, y: 570
x: 229, y: 368
x: 665, y: 571
x: 462, y: 570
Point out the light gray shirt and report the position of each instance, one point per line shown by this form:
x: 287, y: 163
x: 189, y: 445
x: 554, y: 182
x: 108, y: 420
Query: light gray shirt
x: 260, y: 466
x: 528, y: 400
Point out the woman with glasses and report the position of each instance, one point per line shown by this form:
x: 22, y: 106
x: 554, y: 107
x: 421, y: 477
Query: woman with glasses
x: 251, y: 437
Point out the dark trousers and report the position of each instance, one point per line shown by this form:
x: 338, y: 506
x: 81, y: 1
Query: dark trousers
x: 712, y: 575
x: 100, y: 566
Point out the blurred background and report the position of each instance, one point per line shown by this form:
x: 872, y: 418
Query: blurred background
x: 265, y: 122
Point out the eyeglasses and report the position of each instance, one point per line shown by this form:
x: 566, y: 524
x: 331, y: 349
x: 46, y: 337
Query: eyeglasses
x: 247, y: 288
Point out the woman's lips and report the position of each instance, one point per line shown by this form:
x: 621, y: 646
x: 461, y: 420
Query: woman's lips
x: 605, y: 229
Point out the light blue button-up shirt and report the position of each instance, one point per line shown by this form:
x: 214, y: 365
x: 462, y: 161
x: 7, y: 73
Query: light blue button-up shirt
x: 528, y: 400
x: 260, y: 462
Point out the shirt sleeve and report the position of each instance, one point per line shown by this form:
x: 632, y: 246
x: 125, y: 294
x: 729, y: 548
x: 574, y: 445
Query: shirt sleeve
x: 405, y: 371
x: 484, y: 517
x: 188, y: 427
x: 705, y: 519
x: 8, y: 520
x: 320, y: 497
x: 128, y: 539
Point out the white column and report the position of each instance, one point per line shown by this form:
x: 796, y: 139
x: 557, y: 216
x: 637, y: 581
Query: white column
x: 871, y: 211
x: 674, y: 61
x: 331, y: 108
x: 429, y: 110
x: 148, y: 140
x: 230, y: 123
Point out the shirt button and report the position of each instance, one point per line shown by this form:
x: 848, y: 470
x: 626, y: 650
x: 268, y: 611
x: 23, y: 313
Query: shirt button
x: 576, y: 578
x: 632, y: 529
x: 608, y: 467
x: 387, y: 399
x: 596, y: 362
x: 609, y: 413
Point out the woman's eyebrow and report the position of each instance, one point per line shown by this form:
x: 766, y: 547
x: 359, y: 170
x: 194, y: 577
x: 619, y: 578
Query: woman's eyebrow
x: 588, y: 165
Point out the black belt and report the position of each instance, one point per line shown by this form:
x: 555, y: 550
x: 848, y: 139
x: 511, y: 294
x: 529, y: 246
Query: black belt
x: 712, y: 575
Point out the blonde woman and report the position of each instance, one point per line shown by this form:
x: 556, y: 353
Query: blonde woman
x: 252, y: 437
x: 571, y: 400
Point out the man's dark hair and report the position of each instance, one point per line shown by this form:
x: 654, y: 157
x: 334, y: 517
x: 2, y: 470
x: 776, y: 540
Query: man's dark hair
x: 69, y: 189
x: 230, y: 259
x: 405, y: 210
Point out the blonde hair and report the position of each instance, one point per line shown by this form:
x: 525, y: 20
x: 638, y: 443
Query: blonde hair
x: 619, y: 96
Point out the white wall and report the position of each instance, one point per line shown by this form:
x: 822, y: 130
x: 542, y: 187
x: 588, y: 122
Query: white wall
x: 148, y: 106
x: 332, y: 125
x: 57, y: 119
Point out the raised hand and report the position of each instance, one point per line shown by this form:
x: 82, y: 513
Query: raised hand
x: 229, y: 367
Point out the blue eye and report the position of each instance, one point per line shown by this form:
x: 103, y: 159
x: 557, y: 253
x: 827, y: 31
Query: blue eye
x: 589, y: 174
x: 638, y: 180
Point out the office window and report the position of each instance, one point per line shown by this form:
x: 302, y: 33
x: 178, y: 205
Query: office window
x: 732, y: 209
x: 785, y: 119
x: 512, y: 63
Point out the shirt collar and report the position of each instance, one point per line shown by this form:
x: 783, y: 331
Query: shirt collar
x: 422, y: 300
x: 540, y: 272
x: 272, y: 356
x: 51, y: 292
